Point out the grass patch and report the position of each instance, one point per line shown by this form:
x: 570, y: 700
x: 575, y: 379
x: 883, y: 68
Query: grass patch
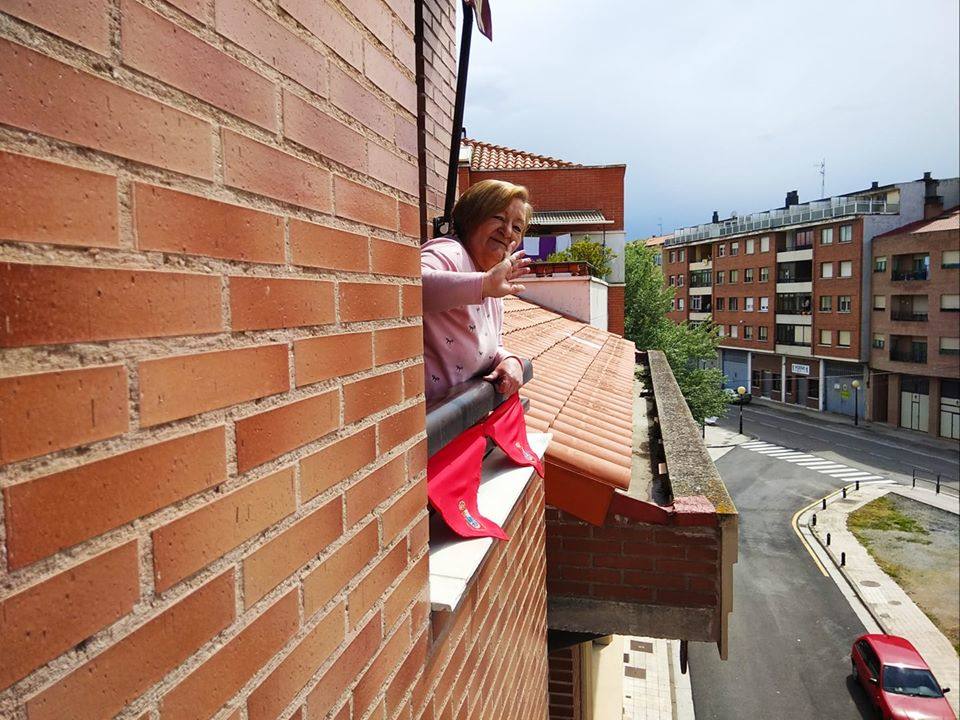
x: 880, y: 514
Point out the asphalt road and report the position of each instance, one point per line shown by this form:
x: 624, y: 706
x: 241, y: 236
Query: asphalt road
x: 893, y: 453
x: 791, y: 629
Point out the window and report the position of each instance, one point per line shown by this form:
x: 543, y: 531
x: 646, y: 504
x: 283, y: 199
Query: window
x: 734, y: 249
x: 719, y: 302
x: 950, y: 303
x: 682, y: 255
x: 748, y: 332
x: 794, y: 335
x: 949, y: 346
x: 748, y: 275
x: 679, y: 303
x: 764, y: 274
x: 673, y: 280
x: 764, y: 304
x: 879, y: 341
x: 846, y: 233
x: 880, y: 264
x: 762, y: 334
x: 733, y: 304
x: 748, y: 246
x: 673, y: 256
x: 721, y: 330
x: 765, y: 243
x: 673, y: 305
x: 843, y: 338
x: 803, y: 240
x: 826, y: 337
x: 721, y: 249
x: 879, y: 302
x: 826, y: 236
x: 748, y: 304
x: 734, y: 331
x: 826, y: 303
x: 846, y: 268
x: 826, y: 270
x: 844, y: 303
x: 734, y: 276
x: 720, y: 275
x: 951, y: 259
x: 680, y: 280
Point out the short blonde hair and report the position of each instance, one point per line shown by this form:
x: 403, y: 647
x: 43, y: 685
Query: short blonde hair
x: 484, y: 200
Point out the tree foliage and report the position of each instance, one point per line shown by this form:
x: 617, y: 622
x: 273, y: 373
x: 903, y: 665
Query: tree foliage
x: 599, y: 256
x: 688, y: 348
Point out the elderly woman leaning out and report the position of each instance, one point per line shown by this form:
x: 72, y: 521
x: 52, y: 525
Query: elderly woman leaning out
x: 464, y: 277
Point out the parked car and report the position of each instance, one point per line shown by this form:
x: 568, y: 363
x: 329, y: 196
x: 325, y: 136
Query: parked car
x: 897, y: 679
x: 734, y: 398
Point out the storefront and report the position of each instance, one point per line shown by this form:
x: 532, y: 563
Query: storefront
x: 839, y: 393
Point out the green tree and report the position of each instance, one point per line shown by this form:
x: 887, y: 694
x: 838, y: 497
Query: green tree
x: 688, y: 348
x: 599, y: 256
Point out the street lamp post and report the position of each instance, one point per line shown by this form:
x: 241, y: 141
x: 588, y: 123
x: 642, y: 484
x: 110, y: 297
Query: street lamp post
x: 741, y: 391
x: 856, y: 402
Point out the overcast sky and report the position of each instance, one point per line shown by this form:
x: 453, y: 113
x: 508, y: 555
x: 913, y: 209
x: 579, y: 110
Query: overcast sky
x: 723, y: 105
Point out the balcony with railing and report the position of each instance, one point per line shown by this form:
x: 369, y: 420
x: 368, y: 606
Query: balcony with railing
x: 908, y: 349
x: 909, y: 308
x: 799, y: 271
x: 910, y: 267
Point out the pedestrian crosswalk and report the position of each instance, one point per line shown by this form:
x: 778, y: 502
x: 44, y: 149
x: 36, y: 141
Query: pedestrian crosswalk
x: 812, y: 462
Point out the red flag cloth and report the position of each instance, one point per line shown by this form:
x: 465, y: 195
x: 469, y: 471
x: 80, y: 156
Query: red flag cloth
x: 508, y: 429
x: 482, y: 14
x: 453, y: 479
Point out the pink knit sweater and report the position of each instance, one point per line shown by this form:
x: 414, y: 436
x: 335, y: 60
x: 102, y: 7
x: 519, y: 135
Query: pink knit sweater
x: 462, y: 332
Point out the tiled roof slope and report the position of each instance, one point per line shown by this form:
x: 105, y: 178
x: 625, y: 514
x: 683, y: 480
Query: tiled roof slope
x: 948, y: 220
x: 581, y: 391
x: 485, y: 156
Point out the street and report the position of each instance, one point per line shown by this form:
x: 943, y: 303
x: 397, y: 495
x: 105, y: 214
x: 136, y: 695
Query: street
x: 791, y: 628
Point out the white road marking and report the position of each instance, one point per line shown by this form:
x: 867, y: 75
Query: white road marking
x: 806, y: 460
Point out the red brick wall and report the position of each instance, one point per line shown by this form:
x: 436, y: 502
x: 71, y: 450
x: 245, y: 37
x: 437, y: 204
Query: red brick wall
x: 742, y: 290
x: 438, y: 96
x: 211, y: 397
x: 677, y: 268
x: 615, y: 308
x: 565, y: 703
x: 836, y: 286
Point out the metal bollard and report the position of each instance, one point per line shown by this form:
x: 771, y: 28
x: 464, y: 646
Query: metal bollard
x: 914, y: 480
x: 823, y: 504
x: 844, y: 492
x: 938, y: 483
x: 858, y: 485
x: 843, y: 559
x: 813, y: 520
x: 828, y: 538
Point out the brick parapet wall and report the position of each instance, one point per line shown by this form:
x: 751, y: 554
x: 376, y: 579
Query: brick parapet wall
x: 211, y: 395
x: 616, y: 297
x: 565, y: 699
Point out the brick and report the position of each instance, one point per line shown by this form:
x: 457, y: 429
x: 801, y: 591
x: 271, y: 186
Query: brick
x: 371, y: 395
x: 404, y: 48
x: 375, y: 17
x: 392, y: 170
x: 413, y: 381
x: 373, y: 682
x: 402, y: 513
x: 329, y: 26
x: 410, y: 214
x: 270, y: 434
x: 58, y: 511
x: 376, y: 487
x: 314, y: 129
x: 383, y: 73
x: 623, y: 561
x: 161, y: 49
x: 684, y: 567
x: 258, y: 303
x: 412, y: 664
x: 45, y: 202
x: 185, y: 385
x: 329, y: 356
x: 256, y: 32
x: 279, y: 688
x: 45, y: 412
x: 368, y: 301
x: 360, y: 203
x: 654, y: 580
x: 338, y: 570
x: 336, y: 462
x: 176, y: 222
x: 48, y: 304
x: 210, y: 686
x: 391, y: 258
x: 193, y: 541
x: 414, y: 585
x: 47, y: 619
x: 324, y: 247
x: 199, y: 9
x: 344, y: 670
x: 115, y: 677
x: 412, y: 305
x: 84, y: 22
x: 400, y: 427
x: 47, y: 97
x: 417, y: 458
x: 258, y: 168
x: 358, y: 102
x: 395, y: 344
x: 652, y: 550
x: 419, y: 536
x: 273, y: 562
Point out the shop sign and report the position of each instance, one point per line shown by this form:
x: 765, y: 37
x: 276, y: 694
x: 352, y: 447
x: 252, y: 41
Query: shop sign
x: 800, y: 369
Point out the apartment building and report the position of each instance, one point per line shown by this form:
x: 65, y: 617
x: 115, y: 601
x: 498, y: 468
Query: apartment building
x: 786, y: 286
x: 915, y: 326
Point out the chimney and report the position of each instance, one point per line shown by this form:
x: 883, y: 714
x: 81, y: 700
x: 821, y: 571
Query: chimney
x: 874, y: 185
x: 716, y: 217
x: 793, y: 198
x: 932, y: 203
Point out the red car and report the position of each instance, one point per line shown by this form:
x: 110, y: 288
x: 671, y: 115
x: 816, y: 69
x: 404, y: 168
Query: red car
x: 897, y: 680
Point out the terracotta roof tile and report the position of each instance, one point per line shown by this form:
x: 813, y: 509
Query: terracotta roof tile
x: 484, y: 156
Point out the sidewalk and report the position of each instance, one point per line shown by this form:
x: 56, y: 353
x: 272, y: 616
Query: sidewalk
x: 653, y: 686
x: 887, y: 603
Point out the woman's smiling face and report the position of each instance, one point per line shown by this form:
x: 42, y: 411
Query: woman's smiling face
x: 490, y: 240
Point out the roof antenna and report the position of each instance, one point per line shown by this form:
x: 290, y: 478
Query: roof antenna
x: 822, y: 169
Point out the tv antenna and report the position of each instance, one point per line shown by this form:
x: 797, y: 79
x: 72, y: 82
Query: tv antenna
x: 822, y: 169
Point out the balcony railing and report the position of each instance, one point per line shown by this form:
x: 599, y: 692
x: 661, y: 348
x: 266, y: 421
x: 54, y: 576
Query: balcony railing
x: 907, y: 316
x: 910, y: 356
x: 909, y: 275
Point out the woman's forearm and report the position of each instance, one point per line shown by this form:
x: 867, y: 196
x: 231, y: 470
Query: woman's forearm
x: 446, y: 289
